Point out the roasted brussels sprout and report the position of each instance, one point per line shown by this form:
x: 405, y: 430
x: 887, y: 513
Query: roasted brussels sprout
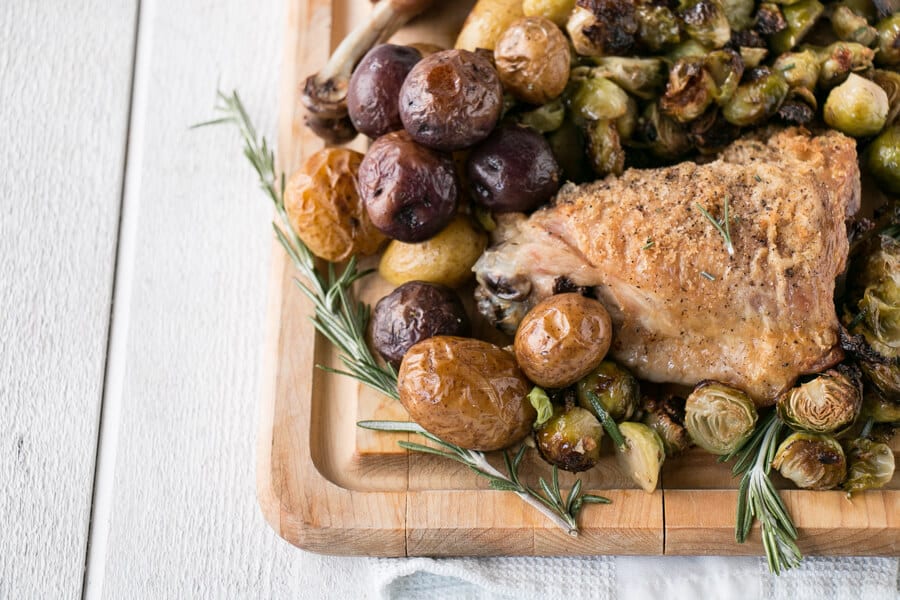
x: 451, y: 100
x: 325, y: 209
x: 889, y: 81
x: 879, y: 408
x: 811, y: 461
x: 598, y: 99
x: 642, y: 455
x: 544, y: 119
x: 838, y: 60
x: 568, y: 145
x: 532, y: 58
x: 542, y: 404
x: 739, y: 13
x: 752, y: 56
x: 658, y: 27
x: 711, y: 133
x: 719, y: 418
x: 705, y: 21
x: 466, y: 392
x: 829, y: 403
x: 885, y: 377
x: 800, y: 17
x: 665, y: 416
x: 603, y: 27
x: 757, y: 99
x: 570, y: 439
x: 799, y: 69
x: 604, y: 148
x: 557, y: 11
x: 883, y: 158
x: 445, y: 259
x: 562, y: 339
x: 663, y: 135
x: 690, y: 90
x: 769, y: 19
x: 413, y: 312
x: 851, y: 27
x: 616, y: 389
x: 889, y: 40
x: 410, y: 191
x: 687, y: 48
x: 871, y: 465
x: 513, y: 170
x: 374, y: 90
x: 799, y: 108
x: 642, y: 77
x: 857, y: 107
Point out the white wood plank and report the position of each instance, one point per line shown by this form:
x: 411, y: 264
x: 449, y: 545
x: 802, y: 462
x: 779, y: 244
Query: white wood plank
x: 65, y: 81
x: 183, y: 516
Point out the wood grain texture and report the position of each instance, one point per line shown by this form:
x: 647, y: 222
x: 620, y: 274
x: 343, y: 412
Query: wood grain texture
x: 65, y: 81
x: 325, y: 494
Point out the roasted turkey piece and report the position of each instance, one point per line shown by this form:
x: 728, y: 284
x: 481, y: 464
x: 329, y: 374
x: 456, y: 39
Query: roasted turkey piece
x: 683, y: 309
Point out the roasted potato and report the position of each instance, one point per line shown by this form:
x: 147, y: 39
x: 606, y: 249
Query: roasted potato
x: 466, y: 392
x: 487, y: 20
x: 562, y: 339
x: 446, y: 259
x: 533, y: 60
x: 325, y: 209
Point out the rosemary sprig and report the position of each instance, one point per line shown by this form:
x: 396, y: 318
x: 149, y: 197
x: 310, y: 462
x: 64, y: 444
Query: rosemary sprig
x: 723, y: 227
x: 338, y: 315
x: 342, y: 319
x: 550, y: 501
x: 609, y: 424
x: 758, y: 498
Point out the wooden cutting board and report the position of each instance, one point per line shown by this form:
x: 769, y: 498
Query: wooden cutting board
x: 329, y: 487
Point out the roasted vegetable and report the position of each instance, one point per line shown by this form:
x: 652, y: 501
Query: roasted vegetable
x: 851, y: 27
x: 557, y: 11
x: 879, y: 408
x: 570, y: 439
x: 800, y: 17
x: 838, y: 60
x: 812, y: 462
x: 641, y: 77
x: 410, y: 191
x: 603, y: 27
x: 705, y: 21
x: 604, y: 148
x: 665, y: 416
x: 883, y: 158
x: 513, y: 170
x: 829, y: 403
x: 889, y: 81
x: 769, y: 19
x: 719, y: 418
x: 799, y: 69
x: 486, y: 22
x: 451, y: 100
x: 696, y: 82
x: 544, y: 119
x: 857, y: 107
x: 466, y: 392
x: 568, y: 144
x: 325, y: 209
x: 658, y: 27
x: 642, y: 455
x: 616, y: 389
x: 889, y: 40
x: 562, y: 339
x: 532, y: 58
x: 757, y: 99
x: 413, y: 312
x: 871, y: 465
x: 374, y: 91
x: 445, y: 259
x: 598, y: 99
x: 739, y: 13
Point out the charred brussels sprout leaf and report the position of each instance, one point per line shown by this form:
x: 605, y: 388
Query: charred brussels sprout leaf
x: 642, y: 455
x: 665, y: 416
x: 812, y: 462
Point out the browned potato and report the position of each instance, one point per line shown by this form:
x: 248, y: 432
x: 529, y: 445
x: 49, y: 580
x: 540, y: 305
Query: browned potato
x: 533, y: 59
x: 485, y: 23
x: 325, y: 209
x: 466, y: 392
x: 562, y: 339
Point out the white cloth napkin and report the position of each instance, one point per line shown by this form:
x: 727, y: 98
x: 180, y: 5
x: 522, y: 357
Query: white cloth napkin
x: 597, y: 578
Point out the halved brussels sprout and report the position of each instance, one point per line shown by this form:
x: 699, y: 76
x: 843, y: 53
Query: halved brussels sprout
x: 598, y: 98
x: 642, y: 455
x: 604, y: 148
x: 800, y: 69
x: 663, y: 135
x: 665, y: 416
x: 643, y: 77
x: 570, y: 439
x: 879, y: 408
x: 658, y: 27
x: 719, y: 418
x: 857, y: 107
x: 616, y: 388
x: 811, y: 461
x: 546, y: 118
x: 889, y: 81
x: 690, y: 90
x: 606, y: 28
x: 769, y: 19
x: 883, y: 158
x: 800, y: 17
x: 752, y: 56
x: 851, y: 27
x: 839, y: 60
x: 705, y: 21
x: 884, y: 377
x: 829, y: 403
x: 876, y: 284
x: 757, y: 99
x: 739, y: 13
x: 871, y: 465
x: 889, y: 40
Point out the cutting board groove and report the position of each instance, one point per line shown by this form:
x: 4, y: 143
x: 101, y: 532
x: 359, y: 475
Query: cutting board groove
x: 329, y: 487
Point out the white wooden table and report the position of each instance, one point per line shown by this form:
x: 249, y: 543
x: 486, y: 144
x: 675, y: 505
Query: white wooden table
x: 133, y: 274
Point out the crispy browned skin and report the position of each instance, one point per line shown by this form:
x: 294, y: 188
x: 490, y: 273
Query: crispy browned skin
x: 683, y: 310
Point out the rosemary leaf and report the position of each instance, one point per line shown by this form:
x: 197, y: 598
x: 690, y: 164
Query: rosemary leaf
x: 606, y: 420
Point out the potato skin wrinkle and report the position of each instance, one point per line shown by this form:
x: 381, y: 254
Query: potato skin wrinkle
x: 467, y: 392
